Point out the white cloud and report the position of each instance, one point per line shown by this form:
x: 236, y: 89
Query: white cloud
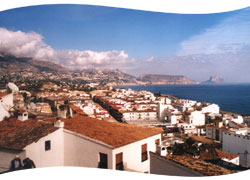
x: 150, y: 59
x: 231, y: 35
x: 21, y: 44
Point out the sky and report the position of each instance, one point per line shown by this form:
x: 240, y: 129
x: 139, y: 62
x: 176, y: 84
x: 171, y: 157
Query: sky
x: 81, y: 36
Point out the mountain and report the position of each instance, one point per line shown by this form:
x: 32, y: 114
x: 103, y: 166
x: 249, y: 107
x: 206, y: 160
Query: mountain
x: 213, y: 80
x: 165, y: 79
x: 112, y: 77
x: 10, y: 64
x: 23, y: 69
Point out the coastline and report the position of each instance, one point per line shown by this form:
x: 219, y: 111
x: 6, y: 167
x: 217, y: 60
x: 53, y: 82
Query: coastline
x: 234, y: 102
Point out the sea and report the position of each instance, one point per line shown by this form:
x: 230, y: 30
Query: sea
x: 230, y: 97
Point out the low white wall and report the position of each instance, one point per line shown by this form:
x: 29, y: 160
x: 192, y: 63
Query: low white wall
x: 54, y: 156
x: 84, y: 152
x: 233, y: 143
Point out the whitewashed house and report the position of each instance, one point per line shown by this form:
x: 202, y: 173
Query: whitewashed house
x: 79, y: 141
x: 238, y: 119
x: 162, y: 110
x: 196, y: 118
x: 211, y: 108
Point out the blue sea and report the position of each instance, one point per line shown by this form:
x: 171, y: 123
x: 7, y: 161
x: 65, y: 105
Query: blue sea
x: 230, y: 97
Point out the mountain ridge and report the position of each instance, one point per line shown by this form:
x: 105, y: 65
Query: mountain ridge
x: 36, y: 69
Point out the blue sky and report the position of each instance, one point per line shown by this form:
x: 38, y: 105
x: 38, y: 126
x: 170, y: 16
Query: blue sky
x: 80, y: 36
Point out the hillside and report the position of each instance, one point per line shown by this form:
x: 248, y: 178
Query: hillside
x: 10, y: 64
x: 165, y: 79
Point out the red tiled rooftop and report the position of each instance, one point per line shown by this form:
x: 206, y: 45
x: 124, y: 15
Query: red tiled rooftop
x: 15, y: 134
x: 226, y: 155
x: 114, y: 134
x: 78, y: 110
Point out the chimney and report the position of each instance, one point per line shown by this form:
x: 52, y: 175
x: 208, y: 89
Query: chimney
x: 22, y: 115
x: 59, y: 123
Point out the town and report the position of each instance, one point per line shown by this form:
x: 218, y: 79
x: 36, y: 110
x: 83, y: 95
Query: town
x: 120, y: 129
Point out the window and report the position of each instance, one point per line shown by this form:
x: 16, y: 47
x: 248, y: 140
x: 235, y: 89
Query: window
x: 103, y: 161
x: 119, y: 161
x: 144, y: 152
x: 47, y: 145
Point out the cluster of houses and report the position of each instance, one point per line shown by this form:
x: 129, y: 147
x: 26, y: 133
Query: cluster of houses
x: 121, y: 130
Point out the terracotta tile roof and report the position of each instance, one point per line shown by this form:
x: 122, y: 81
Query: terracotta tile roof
x: 114, y: 134
x: 202, y: 139
x: 15, y: 134
x: 226, y: 155
x: 203, y: 167
x: 78, y: 110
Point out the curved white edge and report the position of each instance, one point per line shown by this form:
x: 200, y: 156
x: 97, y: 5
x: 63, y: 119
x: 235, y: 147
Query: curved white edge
x: 73, y: 173
x: 170, y: 6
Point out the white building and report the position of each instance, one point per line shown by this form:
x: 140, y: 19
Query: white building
x: 211, y: 108
x: 139, y: 116
x: 163, y: 110
x: 184, y: 104
x: 80, y: 141
x: 196, y: 118
x: 238, y: 119
x: 187, y: 128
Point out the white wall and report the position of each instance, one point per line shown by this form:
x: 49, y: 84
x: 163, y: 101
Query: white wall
x: 84, y: 152
x: 197, y: 118
x: 132, y: 154
x: 233, y: 143
x: 54, y: 156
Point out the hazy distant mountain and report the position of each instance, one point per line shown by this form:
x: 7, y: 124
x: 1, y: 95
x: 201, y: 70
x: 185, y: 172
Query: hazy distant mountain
x: 165, y: 79
x: 213, y: 80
